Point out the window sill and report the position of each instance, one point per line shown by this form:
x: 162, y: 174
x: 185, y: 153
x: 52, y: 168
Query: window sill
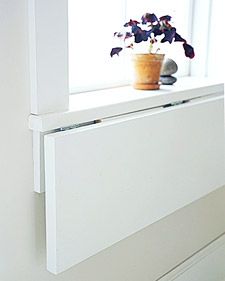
x: 96, y: 105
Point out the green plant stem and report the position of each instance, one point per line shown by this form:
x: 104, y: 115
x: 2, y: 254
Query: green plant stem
x: 150, y: 47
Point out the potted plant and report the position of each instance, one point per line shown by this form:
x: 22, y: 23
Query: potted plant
x: 154, y: 31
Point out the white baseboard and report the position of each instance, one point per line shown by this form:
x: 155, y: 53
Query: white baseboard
x: 206, y: 265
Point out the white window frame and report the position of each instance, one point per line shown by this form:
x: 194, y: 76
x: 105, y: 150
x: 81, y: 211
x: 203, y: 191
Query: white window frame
x: 48, y: 39
x: 201, y: 14
x: 49, y: 76
x: 48, y: 46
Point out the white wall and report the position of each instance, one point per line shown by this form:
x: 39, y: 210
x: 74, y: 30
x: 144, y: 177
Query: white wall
x: 144, y: 256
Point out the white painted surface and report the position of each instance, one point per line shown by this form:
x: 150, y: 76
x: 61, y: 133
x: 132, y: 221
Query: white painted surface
x: 216, y: 51
x: 38, y: 161
x: 107, y: 181
x: 144, y: 256
x: 105, y: 104
x: 200, y: 39
x: 48, y: 46
x: 206, y: 265
x: 101, y: 104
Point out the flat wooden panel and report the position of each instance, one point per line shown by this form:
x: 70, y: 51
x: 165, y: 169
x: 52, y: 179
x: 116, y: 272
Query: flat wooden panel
x: 107, y: 181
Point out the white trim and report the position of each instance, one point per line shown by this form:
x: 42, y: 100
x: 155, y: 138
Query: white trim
x: 103, y: 104
x: 203, y: 264
x: 200, y: 36
x: 191, y: 28
x: 208, y: 36
x: 48, y: 38
x: 106, y: 103
x: 38, y: 160
x: 48, y: 45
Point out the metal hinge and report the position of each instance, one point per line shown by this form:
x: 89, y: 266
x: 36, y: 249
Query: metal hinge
x: 75, y: 126
x: 175, y: 103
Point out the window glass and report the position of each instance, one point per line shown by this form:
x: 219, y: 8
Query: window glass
x: 216, y: 41
x: 91, y: 28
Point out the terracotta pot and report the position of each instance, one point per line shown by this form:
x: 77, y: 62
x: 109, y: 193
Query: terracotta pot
x: 147, y: 69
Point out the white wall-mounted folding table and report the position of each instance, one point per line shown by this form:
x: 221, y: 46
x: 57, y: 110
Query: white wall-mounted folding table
x: 110, y: 178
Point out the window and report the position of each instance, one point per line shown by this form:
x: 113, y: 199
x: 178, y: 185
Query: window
x: 91, y: 28
x: 89, y: 46
x: 215, y: 67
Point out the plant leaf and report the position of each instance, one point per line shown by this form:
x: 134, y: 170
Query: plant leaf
x: 178, y: 38
x: 165, y: 18
x: 156, y: 30
x: 135, y: 29
x: 118, y: 34
x: 138, y: 38
x: 149, y: 18
x: 169, y: 35
x: 189, y: 51
x: 140, y: 35
x: 115, y: 51
x: 127, y: 35
x: 131, y: 23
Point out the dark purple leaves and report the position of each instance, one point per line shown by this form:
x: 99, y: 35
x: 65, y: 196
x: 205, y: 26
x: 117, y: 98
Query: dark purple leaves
x: 178, y: 38
x: 115, y: 51
x: 131, y: 23
x: 149, y: 18
x: 156, y: 30
x: 138, y: 38
x: 165, y: 18
x: 169, y: 35
x: 140, y: 34
x: 118, y: 34
x: 125, y: 35
x: 150, y: 27
x: 135, y: 29
x: 131, y: 46
x: 189, y: 51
